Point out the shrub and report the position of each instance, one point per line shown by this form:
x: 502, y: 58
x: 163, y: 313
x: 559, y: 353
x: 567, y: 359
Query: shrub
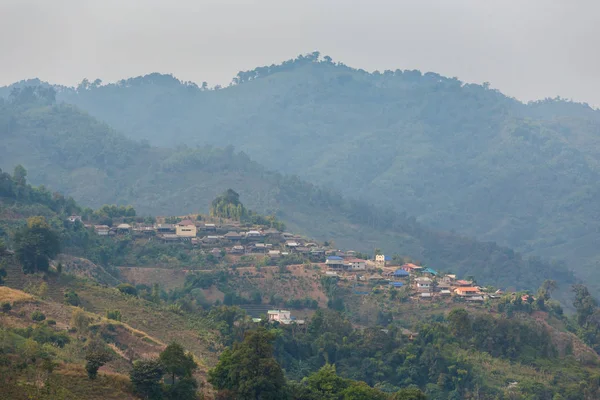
x: 72, y: 298
x: 38, y: 316
x: 51, y: 322
x: 127, y: 289
x: 113, y: 314
x: 6, y: 307
x: 79, y: 320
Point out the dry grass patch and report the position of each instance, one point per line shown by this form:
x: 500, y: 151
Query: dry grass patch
x: 13, y: 295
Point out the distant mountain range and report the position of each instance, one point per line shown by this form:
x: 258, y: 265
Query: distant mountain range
x: 72, y: 152
x: 457, y: 156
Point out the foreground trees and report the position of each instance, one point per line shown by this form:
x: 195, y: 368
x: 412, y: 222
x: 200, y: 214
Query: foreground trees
x: 146, y: 375
x: 248, y: 371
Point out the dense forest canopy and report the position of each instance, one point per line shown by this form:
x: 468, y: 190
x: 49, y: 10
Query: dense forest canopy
x: 458, y: 156
x: 72, y: 152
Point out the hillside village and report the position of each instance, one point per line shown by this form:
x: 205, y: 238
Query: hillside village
x: 231, y: 238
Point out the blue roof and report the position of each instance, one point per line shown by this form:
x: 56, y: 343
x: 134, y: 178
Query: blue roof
x: 430, y: 271
x: 401, y: 272
x: 396, y: 284
x: 336, y: 258
x: 387, y: 258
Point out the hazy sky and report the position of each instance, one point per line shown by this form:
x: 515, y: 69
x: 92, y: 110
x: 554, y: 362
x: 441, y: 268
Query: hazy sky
x: 526, y: 48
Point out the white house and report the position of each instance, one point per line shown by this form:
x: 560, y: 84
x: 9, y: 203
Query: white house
x: 355, y: 264
x: 279, y: 315
x: 423, y: 284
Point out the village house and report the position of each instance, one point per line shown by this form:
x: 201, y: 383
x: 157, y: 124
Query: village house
x: 274, y: 253
x: 292, y: 244
x: 381, y: 260
x: 102, y: 230
x: 210, y: 239
x: 278, y: 315
x: 186, y: 229
x: 165, y: 228
x: 233, y: 236
x: 466, y: 291
x: 429, y: 271
x: 74, y: 218
x: 210, y: 227
x: 399, y: 274
x: 123, y: 228
x: 253, y: 235
x: 272, y: 232
x: 237, y: 250
x: 410, y: 267
x: 169, y: 237
x: 355, y: 264
x: 423, y: 284
x: 142, y: 230
x: 335, y: 262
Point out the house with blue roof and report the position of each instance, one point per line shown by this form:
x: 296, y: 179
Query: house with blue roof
x: 396, y: 284
x: 335, y: 263
x: 400, y: 274
x: 430, y: 271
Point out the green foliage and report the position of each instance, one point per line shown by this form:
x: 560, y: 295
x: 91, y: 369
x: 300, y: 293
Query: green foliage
x: 127, y: 288
x: 145, y: 377
x: 409, y: 394
x: 177, y: 363
x: 248, y: 370
x: 72, y: 298
x: 228, y: 205
x: 115, y: 315
x: 38, y: 316
x: 43, y: 334
x: 96, y: 355
x: 35, y: 245
x: 5, y: 307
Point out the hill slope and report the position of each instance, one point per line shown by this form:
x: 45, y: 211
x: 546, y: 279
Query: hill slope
x: 74, y: 153
x: 457, y: 156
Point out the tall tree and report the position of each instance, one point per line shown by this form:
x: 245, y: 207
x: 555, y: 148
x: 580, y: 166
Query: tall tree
x: 249, y: 370
x: 35, y: 245
x: 145, y: 377
x: 176, y: 362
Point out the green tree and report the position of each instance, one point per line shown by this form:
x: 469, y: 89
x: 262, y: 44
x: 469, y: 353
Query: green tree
x: 96, y: 355
x: 362, y: 391
x: 145, y: 377
x: 327, y: 383
x: 127, y: 289
x: 35, y: 245
x: 176, y: 362
x: 409, y: 394
x: 249, y: 370
x: 20, y: 175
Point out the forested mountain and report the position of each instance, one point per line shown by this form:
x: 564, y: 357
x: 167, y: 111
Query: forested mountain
x: 71, y: 152
x: 458, y: 156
